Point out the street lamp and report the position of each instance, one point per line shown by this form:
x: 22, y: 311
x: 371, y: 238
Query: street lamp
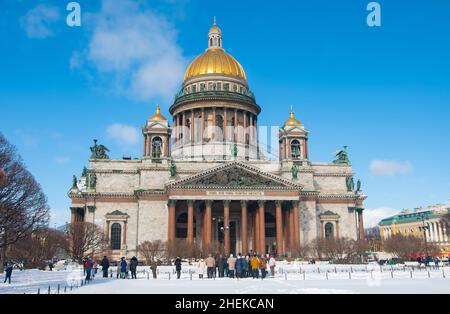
x: 424, y: 228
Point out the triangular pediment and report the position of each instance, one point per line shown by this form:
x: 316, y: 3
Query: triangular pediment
x: 234, y: 175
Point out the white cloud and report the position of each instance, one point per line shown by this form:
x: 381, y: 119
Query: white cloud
x: 136, y: 50
x: 123, y: 134
x: 373, y: 216
x: 390, y: 167
x: 61, y: 160
x: 76, y: 60
x: 37, y: 23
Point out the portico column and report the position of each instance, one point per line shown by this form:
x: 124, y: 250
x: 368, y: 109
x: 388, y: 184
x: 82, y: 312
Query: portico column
x: 172, y: 205
x: 190, y: 231
x: 226, y: 225
x: 287, y: 226
x: 256, y: 230
x: 337, y: 230
x: 208, y: 218
x: 322, y: 230
x: 244, y: 115
x: 361, y: 224
x: 296, y: 224
x: 292, y: 229
x: 262, y: 227
x: 244, y: 237
x: 279, y: 222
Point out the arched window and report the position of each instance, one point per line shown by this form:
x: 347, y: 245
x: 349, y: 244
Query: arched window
x: 329, y: 230
x: 116, y: 236
x: 156, y: 147
x: 295, y: 149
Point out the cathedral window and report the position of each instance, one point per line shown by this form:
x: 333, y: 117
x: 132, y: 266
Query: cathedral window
x: 235, y: 88
x: 329, y: 230
x: 202, y: 87
x: 295, y: 149
x: 156, y: 147
x: 194, y: 88
x: 116, y: 236
x: 219, y: 86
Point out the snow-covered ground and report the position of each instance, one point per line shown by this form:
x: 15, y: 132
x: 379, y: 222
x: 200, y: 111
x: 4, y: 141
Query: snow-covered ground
x: 290, y: 279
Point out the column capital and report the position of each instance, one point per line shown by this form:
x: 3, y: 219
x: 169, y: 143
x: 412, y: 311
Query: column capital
x: 208, y: 203
x: 190, y: 203
x: 244, y: 203
x: 172, y: 203
x: 226, y: 203
x: 261, y: 203
x: 279, y: 204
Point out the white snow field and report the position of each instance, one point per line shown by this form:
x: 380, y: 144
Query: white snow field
x: 290, y: 279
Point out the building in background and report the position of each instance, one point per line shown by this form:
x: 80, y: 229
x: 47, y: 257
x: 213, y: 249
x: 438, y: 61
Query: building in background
x: 411, y: 222
x: 207, y: 180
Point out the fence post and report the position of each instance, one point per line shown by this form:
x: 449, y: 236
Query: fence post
x: 349, y: 275
x: 190, y: 273
x: 351, y: 269
x: 65, y: 289
x: 371, y: 274
x: 443, y: 272
x: 411, y: 273
x: 392, y: 274
x: 318, y: 270
x: 304, y: 275
x: 48, y: 289
x: 39, y: 291
x: 58, y: 288
x: 327, y: 275
x: 285, y: 276
x: 429, y: 274
x: 169, y: 275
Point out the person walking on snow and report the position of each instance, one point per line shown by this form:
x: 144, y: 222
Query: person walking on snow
x: 254, y: 266
x: 210, y: 266
x: 8, y: 273
x: 272, y: 264
x: 201, y: 268
x: 105, y: 266
x: 123, y: 267
x: 231, y: 266
x: 133, y: 267
x: 88, y: 269
x: 178, y: 267
x: 154, y: 266
x: 263, y: 267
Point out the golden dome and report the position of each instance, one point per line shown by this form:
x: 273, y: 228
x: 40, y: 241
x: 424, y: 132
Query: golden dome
x: 215, y: 61
x: 292, y: 121
x: 158, y: 116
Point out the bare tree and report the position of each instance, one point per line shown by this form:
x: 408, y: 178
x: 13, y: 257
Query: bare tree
x: 2, y: 178
x: 39, y: 246
x: 85, y: 240
x: 23, y: 205
x: 152, y: 251
x: 409, y: 247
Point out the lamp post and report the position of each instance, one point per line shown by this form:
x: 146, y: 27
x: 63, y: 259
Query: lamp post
x: 424, y: 229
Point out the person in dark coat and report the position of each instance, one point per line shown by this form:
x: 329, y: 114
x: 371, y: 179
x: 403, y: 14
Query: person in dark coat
x: 105, y: 266
x: 88, y: 269
x: 220, y: 266
x: 239, y: 266
x: 8, y: 273
x: 123, y: 267
x: 133, y: 267
x: 178, y: 267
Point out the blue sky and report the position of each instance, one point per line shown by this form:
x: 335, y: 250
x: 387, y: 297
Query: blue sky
x: 384, y: 92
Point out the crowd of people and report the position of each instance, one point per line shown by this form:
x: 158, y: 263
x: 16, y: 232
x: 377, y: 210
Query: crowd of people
x: 252, y: 265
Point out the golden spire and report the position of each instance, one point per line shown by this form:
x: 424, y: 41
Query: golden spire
x: 158, y: 116
x: 292, y: 121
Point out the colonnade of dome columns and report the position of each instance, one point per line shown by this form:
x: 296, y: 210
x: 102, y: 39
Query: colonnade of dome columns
x: 186, y: 130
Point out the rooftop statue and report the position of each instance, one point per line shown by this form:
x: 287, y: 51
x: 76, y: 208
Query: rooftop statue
x: 358, y: 186
x: 99, y: 151
x: 350, y: 184
x: 342, y: 157
x: 74, y: 182
x: 294, y: 171
x: 173, y: 169
x: 234, y: 150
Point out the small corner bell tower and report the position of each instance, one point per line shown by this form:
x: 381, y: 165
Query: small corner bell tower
x: 157, y: 133
x: 293, y: 140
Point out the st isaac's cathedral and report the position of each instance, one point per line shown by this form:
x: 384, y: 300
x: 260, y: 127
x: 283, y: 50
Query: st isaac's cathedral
x: 204, y: 178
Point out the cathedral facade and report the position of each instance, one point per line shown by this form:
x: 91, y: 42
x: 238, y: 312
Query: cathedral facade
x: 205, y: 179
